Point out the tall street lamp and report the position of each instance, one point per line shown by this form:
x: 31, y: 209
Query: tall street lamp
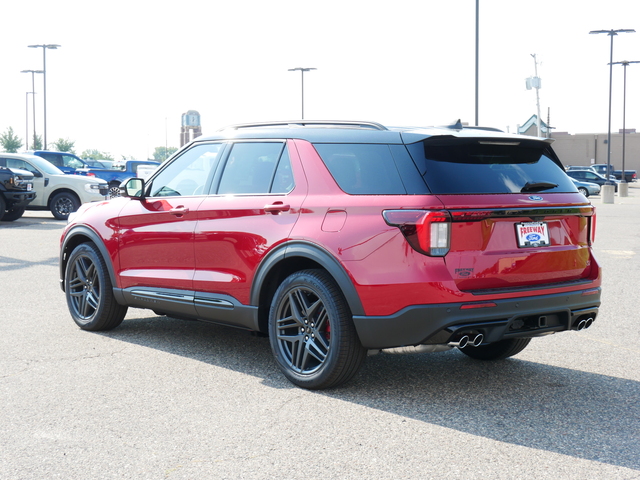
x: 624, y: 63
x: 33, y: 102
x: 302, y: 70
x: 45, y: 47
x: 608, y: 185
x: 477, y: 53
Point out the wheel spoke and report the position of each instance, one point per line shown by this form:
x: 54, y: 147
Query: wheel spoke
x: 300, y: 330
x: 84, y: 287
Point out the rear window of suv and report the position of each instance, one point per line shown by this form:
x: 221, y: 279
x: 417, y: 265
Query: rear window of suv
x: 451, y: 165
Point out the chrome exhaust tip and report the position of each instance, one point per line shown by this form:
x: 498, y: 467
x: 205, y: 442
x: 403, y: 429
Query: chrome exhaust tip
x: 461, y: 343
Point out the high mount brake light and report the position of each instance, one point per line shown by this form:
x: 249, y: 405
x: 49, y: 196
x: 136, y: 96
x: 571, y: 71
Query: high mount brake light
x: 427, y: 231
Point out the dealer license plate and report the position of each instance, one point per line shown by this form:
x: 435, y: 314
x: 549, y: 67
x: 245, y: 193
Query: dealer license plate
x: 29, y: 187
x: 532, y: 234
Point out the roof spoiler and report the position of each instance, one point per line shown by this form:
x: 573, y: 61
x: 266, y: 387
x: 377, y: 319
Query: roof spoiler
x: 459, y: 126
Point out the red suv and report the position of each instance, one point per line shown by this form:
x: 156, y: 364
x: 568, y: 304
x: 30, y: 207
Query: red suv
x: 339, y: 238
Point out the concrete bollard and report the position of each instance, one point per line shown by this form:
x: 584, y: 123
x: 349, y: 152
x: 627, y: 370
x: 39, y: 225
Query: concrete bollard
x: 608, y: 193
x: 623, y: 189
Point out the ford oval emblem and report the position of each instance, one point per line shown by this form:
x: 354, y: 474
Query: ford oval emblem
x: 535, y: 198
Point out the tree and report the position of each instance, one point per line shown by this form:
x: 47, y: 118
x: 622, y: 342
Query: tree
x: 96, y: 155
x: 64, y: 145
x: 37, y: 142
x: 162, y: 153
x: 10, y: 141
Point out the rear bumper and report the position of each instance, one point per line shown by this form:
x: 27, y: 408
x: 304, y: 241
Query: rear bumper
x: 516, y: 317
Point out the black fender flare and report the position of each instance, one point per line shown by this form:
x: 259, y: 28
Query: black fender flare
x: 318, y: 255
x: 66, y: 249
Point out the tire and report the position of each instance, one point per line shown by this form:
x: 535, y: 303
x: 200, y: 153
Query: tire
x: 311, y: 331
x: 3, y: 206
x: 13, y: 214
x: 114, y: 190
x: 62, y: 204
x: 497, y: 350
x: 584, y: 191
x: 89, y: 291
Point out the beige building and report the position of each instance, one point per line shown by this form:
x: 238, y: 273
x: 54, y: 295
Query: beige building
x: 589, y: 148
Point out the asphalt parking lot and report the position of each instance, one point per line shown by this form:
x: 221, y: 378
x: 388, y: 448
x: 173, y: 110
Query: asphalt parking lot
x: 160, y: 398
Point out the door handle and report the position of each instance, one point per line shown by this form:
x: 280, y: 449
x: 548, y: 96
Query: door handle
x: 276, y: 208
x: 181, y: 210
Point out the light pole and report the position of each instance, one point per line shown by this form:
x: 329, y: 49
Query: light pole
x: 477, y: 53
x: 624, y: 187
x: 26, y: 116
x: 45, y: 47
x: 302, y: 70
x: 33, y: 102
x: 608, y: 188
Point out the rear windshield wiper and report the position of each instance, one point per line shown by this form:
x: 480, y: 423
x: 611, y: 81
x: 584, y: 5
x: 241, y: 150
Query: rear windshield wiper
x: 537, y: 186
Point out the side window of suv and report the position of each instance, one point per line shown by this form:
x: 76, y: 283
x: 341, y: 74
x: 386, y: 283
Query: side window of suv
x: 362, y: 169
x: 188, y: 174
x: 257, y: 168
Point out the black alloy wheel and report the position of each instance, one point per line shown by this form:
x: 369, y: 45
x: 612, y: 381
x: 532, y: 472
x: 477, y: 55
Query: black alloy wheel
x: 63, y: 204
x: 89, y: 290
x: 312, y: 333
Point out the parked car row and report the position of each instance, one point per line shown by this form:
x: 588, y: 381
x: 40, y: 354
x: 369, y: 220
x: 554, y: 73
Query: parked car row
x: 60, y: 181
x: 584, y: 175
x: 54, y: 190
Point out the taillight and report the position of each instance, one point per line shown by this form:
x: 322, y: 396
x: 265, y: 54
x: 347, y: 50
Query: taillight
x: 427, y: 231
x: 592, y: 227
x: 89, y: 174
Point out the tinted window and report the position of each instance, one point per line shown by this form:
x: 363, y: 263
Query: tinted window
x: 187, y: 174
x: 362, y: 169
x: 55, y: 159
x: 283, y: 179
x: 250, y: 168
x: 462, y: 166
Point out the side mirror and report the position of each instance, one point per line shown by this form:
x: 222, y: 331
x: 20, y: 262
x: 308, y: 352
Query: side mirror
x: 36, y: 173
x: 132, y: 188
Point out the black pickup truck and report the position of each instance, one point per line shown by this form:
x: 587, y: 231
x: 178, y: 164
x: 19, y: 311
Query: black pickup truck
x: 601, y: 168
x: 16, y: 191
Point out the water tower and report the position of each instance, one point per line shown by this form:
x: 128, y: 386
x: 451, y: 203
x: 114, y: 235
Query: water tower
x: 190, y: 127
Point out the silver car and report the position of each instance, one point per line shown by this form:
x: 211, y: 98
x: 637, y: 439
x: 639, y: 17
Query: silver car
x: 586, y: 188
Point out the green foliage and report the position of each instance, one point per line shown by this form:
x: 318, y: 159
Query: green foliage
x: 94, y: 154
x: 64, y: 145
x: 36, y: 143
x: 10, y: 141
x: 162, y: 153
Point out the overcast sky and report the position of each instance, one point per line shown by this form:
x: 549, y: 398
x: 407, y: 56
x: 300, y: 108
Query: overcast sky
x: 127, y: 70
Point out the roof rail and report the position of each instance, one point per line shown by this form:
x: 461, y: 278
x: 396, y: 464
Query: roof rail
x: 308, y: 123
